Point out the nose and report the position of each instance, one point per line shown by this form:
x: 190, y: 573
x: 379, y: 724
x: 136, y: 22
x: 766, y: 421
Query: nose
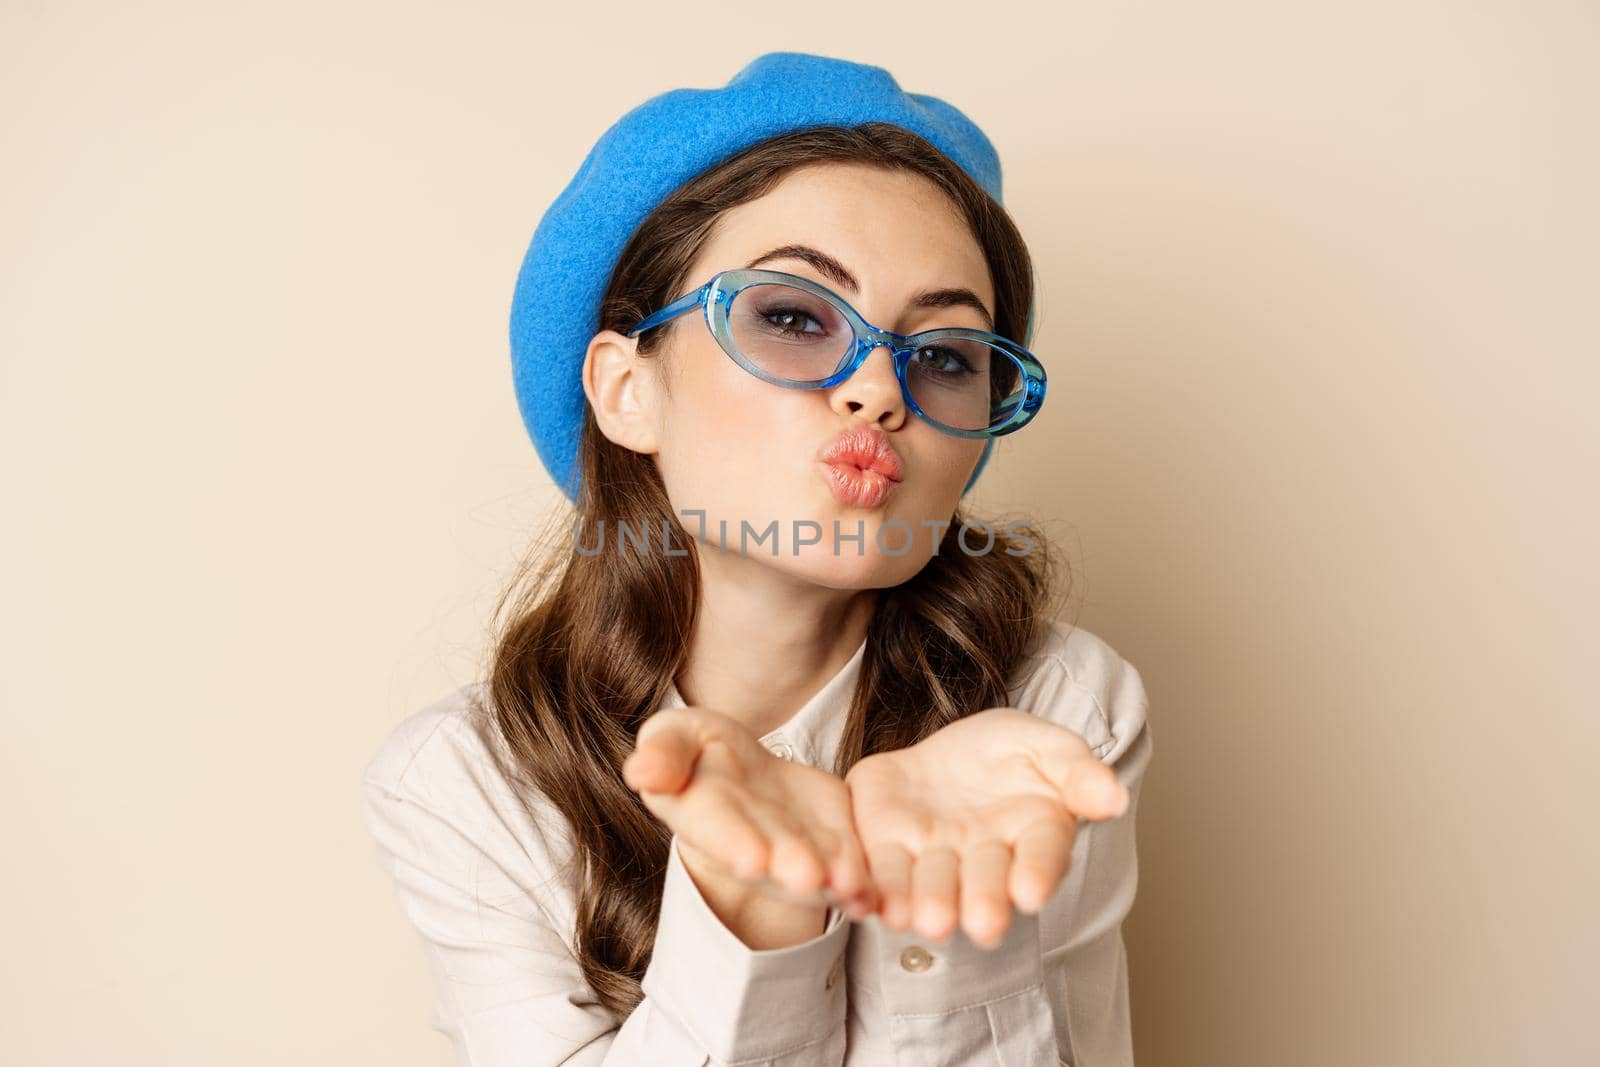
x: 873, y: 391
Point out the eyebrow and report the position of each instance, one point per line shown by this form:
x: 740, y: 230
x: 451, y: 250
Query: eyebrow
x: 837, y: 273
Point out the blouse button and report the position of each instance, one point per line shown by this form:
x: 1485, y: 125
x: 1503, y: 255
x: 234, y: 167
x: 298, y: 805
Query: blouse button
x: 915, y: 958
x: 780, y: 749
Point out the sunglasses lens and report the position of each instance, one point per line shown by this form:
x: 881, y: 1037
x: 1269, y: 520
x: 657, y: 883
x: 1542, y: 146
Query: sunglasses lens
x: 789, y: 333
x: 964, y: 383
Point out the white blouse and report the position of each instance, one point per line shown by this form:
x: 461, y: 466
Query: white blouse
x: 493, y: 894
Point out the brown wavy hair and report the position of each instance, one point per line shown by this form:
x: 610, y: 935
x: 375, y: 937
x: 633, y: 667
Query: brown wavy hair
x: 584, y: 647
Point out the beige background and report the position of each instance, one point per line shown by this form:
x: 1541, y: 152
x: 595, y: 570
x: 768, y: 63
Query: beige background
x: 1319, y: 307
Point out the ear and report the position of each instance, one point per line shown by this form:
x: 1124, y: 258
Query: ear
x: 622, y: 391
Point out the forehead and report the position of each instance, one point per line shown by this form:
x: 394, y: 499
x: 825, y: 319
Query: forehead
x: 895, y: 231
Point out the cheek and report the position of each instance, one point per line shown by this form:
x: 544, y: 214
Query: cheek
x: 933, y: 492
x: 950, y: 461
x: 718, y: 425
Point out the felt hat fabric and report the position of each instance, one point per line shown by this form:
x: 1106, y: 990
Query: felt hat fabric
x: 647, y: 154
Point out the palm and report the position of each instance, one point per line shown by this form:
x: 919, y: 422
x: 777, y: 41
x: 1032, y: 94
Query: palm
x: 976, y: 819
x: 784, y: 826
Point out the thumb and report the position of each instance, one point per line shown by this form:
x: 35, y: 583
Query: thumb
x: 1091, y: 789
x: 662, y: 760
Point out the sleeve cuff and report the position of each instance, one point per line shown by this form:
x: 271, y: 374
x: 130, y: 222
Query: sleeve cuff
x: 922, y: 977
x: 742, y: 1003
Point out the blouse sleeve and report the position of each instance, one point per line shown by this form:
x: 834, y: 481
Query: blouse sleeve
x: 1093, y: 690
x: 508, y: 990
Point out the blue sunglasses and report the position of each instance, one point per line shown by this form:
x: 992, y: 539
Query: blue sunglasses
x: 797, y: 334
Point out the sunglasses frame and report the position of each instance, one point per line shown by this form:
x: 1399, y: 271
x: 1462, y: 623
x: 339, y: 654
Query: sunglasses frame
x: 717, y: 294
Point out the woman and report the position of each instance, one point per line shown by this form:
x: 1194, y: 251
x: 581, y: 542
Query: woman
x: 843, y: 796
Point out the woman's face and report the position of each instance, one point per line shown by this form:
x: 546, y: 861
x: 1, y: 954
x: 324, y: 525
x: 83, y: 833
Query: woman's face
x: 745, y: 451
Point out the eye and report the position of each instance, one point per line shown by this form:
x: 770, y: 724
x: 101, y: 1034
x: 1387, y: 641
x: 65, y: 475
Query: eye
x: 940, y: 359
x: 788, y: 320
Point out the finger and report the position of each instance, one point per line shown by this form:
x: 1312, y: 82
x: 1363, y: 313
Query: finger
x: 1088, y: 788
x: 663, y: 757
x: 985, y: 900
x: 861, y: 891
x: 712, y: 818
x: 1040, y: 857
x: 842, y: 876
x: 890, y: 868
x: 933, y: 892
x: 795, y: 862
x: 847, y: 883
x: 848, y: 875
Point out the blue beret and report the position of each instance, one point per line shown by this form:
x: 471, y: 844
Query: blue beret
x: 644, y: 157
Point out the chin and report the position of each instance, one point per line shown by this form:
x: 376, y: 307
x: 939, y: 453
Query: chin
x: 872, y: 569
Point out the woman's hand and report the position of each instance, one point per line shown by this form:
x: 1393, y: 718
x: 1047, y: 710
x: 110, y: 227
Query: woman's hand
x: 980, y: 817
x: 782, y: 826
